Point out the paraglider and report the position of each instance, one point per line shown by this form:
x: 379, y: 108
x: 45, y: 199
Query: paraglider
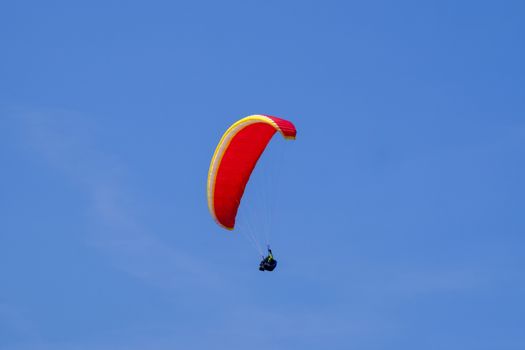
x: 268, y: 263
x: 232, y: 164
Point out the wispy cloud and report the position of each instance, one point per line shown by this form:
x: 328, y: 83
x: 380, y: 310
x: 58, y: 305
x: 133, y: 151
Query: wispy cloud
x: 68, y: 142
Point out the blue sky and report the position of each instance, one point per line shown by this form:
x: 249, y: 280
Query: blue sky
x: 398, y: 215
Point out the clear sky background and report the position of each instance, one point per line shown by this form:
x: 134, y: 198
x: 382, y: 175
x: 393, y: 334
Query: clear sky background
x: 401, y: 204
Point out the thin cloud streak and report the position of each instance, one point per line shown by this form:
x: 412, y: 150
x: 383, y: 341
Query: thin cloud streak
x: 66, y: 141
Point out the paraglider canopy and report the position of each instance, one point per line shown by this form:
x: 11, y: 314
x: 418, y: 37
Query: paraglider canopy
x: 234, y: 160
